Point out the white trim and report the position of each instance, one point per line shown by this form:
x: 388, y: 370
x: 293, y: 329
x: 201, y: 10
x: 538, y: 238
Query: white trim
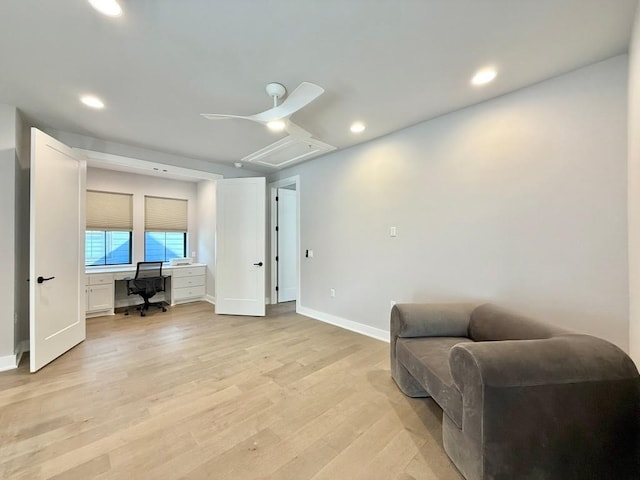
x: 8, y: 362
x: 273, y: 186
x: 210, y: 298
x: 144, y: 167
x: 373, y: 332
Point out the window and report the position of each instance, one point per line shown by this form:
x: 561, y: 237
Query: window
x: 165, y: 229
x: 163, y: 246
x: 107, y: 247
x: 109, y: 224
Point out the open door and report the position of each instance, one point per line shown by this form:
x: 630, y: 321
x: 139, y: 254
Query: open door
x: 287, y: 251
x: 56, y: 253
x: 240, y: 246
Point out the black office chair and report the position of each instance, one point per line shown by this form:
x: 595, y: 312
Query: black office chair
x: 147, y: 282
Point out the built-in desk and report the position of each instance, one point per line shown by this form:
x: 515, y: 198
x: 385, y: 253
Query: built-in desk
x: 105, y: 289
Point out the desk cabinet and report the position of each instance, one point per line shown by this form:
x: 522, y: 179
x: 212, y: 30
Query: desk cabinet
x: 99, y: 294
x: 187, y: 284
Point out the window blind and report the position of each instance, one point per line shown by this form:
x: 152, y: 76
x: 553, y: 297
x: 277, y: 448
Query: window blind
x: 165, y: 214
x: 109, y: 211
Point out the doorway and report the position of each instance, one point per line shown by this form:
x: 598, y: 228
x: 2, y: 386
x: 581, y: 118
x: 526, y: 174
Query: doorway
x: 285, y: 240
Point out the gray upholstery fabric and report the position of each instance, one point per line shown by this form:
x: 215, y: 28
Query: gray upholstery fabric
x: 536, y: 401
x: 423, y: 320
x: 489, y: 322
x: 427, y: 360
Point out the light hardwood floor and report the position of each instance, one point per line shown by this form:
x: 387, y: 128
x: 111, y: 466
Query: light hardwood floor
x: 188, y: 394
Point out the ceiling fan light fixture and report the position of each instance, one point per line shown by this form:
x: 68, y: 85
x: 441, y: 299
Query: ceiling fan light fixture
x: 92, y: 101
x: 110, y: 8
x: 484, y: 76
x: 276, y: 125
x: 357, y: 127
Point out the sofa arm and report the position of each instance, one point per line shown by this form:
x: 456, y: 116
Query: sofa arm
x: 423, y: 320
x: 562, y: 359
x: 564, y: 407
x: 430, y: 319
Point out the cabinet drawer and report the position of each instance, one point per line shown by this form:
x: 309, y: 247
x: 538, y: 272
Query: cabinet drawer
x: 188, y: 272
x: 99, y: 278
x: 187, y: 292
x: 182, y: 282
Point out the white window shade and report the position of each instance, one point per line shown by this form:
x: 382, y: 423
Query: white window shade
x: 165, y: 214
x: 109, y: 211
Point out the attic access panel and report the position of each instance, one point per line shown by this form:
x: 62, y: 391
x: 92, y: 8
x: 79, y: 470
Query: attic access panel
x: 287, y: 151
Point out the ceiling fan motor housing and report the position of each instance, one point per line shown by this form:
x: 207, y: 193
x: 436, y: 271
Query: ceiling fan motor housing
x: 275, y: 90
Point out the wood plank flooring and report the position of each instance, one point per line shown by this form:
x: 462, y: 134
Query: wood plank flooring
x: 189, y: 394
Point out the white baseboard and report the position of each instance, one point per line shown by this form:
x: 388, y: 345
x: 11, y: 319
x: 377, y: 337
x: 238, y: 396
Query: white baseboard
x: 210, y: 298
x: 8, y: 362
x: 373, y: 332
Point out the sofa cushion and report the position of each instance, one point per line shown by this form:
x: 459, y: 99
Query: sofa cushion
x: 427, y: 359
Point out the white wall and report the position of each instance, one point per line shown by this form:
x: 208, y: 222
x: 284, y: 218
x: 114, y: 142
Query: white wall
x: 8, y: 161
x: 520, y: 201
x: 207, y: 232
x: 634, y: 192
x: 139, y: 186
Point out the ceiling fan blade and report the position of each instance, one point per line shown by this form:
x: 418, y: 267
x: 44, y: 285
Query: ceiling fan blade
x: 303, y: 95
x: 221, y: 116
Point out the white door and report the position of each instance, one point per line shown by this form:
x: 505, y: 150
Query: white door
x: 240, y: 246
x: 287, y: 246
x: 56, y: 250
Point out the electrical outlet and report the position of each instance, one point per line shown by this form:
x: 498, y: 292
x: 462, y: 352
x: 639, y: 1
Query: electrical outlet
x: 333, y: 292
x: 393, y: 232
x: 310, y: 253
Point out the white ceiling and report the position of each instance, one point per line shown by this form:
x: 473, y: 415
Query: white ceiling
x: 388, y: 63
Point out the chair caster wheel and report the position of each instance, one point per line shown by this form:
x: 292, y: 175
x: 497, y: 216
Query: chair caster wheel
x: 164, y: 309
x: 143, y: 314
x: 126, y: 313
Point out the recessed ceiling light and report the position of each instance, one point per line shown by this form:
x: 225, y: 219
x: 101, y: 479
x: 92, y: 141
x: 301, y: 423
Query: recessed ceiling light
x: 92, y: 101
x: 110, y: 8
x: 276, y: 125
x: 483, y: 76
x: 357, y: 127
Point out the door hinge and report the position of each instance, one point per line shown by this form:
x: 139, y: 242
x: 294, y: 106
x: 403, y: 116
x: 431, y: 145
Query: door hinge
x: 276, y: 258
x: 276, y: 228
x: 277, y: 199
x: 276, y: 288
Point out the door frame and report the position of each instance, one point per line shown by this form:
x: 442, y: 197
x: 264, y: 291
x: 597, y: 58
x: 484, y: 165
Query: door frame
x: 273, y: 267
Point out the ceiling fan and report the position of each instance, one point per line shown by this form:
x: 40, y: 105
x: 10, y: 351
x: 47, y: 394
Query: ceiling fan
x: 277, y: 118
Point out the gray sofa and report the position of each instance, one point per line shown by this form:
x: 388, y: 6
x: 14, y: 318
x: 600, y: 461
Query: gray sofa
x: 521, y: 399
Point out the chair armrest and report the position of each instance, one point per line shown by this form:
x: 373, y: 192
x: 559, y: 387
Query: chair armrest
x: 430, y: 319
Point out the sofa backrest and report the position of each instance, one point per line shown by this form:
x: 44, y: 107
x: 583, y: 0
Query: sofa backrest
x: 491, y: 323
